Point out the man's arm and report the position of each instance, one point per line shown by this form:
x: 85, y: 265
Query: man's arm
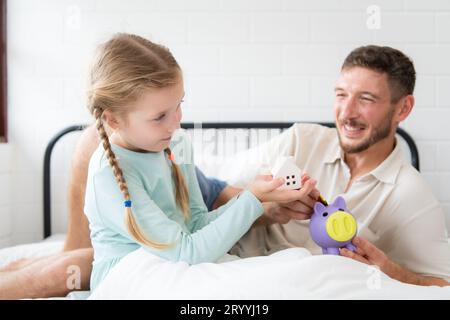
x: 216, y: 193
x: 225, y: 195
x: 273, y: 212
x: 368, y: 253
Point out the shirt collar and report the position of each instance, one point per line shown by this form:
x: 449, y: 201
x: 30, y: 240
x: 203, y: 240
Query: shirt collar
x: 334, y: 152
x: 387, y: 171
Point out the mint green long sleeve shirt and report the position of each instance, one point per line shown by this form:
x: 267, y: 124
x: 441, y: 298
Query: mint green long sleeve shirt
x: 204, y: 237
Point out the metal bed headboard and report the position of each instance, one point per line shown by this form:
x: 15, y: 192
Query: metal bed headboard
x: 207, y: 125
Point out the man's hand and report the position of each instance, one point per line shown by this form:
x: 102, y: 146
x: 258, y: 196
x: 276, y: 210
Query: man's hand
x: 369, y: 254
x: 301, y: 209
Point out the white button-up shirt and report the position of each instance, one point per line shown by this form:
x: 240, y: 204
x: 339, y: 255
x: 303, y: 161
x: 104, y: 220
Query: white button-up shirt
x: 394, y: 206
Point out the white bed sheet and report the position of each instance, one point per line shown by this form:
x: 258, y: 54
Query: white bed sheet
x: 287, y: 274
x: 139, y: 272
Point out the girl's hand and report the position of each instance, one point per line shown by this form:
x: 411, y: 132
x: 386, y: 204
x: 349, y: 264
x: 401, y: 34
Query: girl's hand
x: 300, y: 209
x: 264, y: 187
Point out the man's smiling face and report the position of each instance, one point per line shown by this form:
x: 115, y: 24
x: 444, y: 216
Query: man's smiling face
x: 363, y: 109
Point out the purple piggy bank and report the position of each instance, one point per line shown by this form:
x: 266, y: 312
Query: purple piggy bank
x: 332, y: 227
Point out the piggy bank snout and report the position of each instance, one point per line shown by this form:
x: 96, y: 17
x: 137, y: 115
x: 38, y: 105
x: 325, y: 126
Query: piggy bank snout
x: 341, y: 226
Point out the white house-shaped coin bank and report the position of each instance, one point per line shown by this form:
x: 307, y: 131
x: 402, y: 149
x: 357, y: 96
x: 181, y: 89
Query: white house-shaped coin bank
x: 286, y: 168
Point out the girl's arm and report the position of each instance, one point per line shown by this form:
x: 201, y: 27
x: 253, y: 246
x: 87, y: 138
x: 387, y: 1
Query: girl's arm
x: 200, y: 216
x: 196, y: 181
x: 204, y: 245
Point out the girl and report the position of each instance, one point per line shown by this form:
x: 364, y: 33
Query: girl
x: 136, y: 89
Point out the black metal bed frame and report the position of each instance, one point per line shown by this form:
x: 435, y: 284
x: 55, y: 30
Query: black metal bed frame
x: 208, y: 125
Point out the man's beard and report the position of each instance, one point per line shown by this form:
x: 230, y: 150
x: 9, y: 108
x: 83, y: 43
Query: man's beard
x: 379, y: 133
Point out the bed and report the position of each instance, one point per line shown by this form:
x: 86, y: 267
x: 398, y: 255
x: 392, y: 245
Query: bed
x: 228, y: 274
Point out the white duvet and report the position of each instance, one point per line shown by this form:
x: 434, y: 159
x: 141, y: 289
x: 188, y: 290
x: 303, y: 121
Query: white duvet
x: 288, y: 274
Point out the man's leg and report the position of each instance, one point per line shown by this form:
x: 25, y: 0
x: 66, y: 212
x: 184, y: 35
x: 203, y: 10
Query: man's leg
x: 52, y: 276
x: 78, y: 228
x: 48, y: 276
x: 18, y: 264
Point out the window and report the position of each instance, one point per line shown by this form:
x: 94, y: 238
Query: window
x: 3, y: 93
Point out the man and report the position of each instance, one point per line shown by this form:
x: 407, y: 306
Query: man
x: 360, y: 160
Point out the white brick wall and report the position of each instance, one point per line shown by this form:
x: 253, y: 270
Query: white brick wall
x: 260, y: 60
x: 5, y: 194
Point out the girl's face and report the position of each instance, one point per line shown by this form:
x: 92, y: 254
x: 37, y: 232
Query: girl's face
x: 151, y: 120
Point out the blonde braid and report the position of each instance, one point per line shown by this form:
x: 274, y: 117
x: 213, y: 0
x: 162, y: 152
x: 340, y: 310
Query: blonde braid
x: 182, y: 193
x: 130, y: 222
